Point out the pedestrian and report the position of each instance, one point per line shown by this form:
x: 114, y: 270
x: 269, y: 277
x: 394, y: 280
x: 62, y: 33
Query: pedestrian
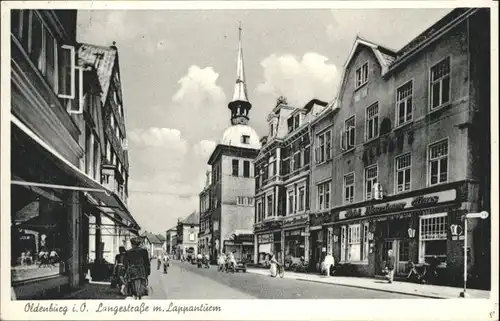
x: 328, y: 263
x: 390, y: 265
x: 137, y: 269
x: 274, y: 265
x: 159, y: 262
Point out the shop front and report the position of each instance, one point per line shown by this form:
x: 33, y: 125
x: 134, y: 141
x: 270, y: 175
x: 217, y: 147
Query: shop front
x: 416, y: 227
x: 268, y: 241
x: 321, y: 239
x: 296, y: 239
x: 241, y: 245
x: 49, y: 228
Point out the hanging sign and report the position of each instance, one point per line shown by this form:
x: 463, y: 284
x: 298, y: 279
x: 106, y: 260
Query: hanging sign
x: 400, y: 205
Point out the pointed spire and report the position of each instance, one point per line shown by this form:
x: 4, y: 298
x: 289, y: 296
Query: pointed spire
x: 240, y: 88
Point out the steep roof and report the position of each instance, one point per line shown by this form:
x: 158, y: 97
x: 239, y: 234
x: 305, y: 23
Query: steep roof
x: 192, y: 219
x: 153, y: 238
x: 103, y: 59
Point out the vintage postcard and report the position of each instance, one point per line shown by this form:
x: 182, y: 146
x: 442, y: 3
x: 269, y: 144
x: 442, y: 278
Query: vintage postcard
x: 249, y: 160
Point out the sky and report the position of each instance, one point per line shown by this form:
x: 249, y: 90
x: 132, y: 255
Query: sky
x: 178, y: 69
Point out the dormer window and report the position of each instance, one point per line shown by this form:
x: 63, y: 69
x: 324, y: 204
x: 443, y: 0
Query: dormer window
x: 245, y: 139
x: 293, y: 123
x: 362, y: 75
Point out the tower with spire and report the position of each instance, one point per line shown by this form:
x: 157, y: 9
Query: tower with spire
x: 227, y: 220
x: 240, y: 106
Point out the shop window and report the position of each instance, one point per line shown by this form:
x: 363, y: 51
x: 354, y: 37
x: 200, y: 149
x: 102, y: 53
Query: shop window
x: 438, y: 162
x: 294, y: 245
x: 38, y: 233
x: 291, y: 205
x: 404, y: 103
x: 403, y: 173
x: 433, y: 237
x: 353, y: 247
x: 236, y: 166
x: 371, y: 175
x: 324, y: 195
x: 349, y: 188
x: 371, y: 128
x: 440, y: 84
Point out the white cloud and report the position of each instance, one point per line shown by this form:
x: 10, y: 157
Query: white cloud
x: 199, y: 87
x: 300, y: 81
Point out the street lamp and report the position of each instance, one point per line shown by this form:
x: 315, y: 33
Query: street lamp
x: 482, y: 215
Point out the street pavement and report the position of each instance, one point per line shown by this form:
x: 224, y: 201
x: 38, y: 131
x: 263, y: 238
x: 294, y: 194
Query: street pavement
x: 187, y: 281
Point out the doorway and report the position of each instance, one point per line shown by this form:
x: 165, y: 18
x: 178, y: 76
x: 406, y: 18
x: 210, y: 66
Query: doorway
x: 401, y: 249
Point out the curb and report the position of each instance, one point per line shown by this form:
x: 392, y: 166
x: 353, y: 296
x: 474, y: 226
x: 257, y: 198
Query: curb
x: 375, y: 289
x: 364, y: 287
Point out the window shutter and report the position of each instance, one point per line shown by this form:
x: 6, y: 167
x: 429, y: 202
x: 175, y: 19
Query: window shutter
x: 66, y: 63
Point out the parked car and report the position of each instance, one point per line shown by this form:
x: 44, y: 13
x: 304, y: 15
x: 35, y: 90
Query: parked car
x: 241, y: 265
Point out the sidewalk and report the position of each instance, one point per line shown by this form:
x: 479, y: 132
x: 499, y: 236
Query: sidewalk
x: 94, y: 291
x: 423, y: 290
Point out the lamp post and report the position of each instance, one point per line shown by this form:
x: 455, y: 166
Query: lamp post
x: 482, y: 215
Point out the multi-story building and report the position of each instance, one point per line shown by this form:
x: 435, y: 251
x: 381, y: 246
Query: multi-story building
x: 113, y: 153
x: 187, y: 236
x: 170, y: 240
x: 321, y: 188
x: 205, y: 237
x: 55, y: 173
x: 410, y: 151
x: 232, y: 187
x: 153, y: 243
x: 282, y: 184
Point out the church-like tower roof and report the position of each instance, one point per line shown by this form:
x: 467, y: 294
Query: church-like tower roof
x: 240, y: 87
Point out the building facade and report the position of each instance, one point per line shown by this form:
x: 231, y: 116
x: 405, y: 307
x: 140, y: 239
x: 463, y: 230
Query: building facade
x: 231, y: 192
x: 409, y: 155
x: 283, y: 184
x: 187, y: 236
x: 205, y: 237
x: 170, y: 241
x: 321, y: 188
x: 55, y: 177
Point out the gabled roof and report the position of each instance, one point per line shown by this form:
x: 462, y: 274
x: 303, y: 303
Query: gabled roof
x: 192, y: 219
x: 384, y: 55
x: 103, y: 59
x: 153, y: 238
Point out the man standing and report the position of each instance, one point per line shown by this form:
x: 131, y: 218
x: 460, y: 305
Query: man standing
x: 390, y: 265
x: 329, y: 262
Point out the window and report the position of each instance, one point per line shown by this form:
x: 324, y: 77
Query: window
x: 349, y: 188
x: 324, y: 149
x: 296, y: 160
x: 353, y: 242
x: 246, y: 169
x: 259, y: 211
x: 366, y: 246
x: 245, y: 139
x: 371, y: 174
x: 291, y: 199
x: 269, y: 208
x: 440, y: 83
x: 302, y: 198
x: 271, y: 167
x: 403, y: 173
x: 236, y: 165
x: 50, y: 61
x: 324, y: 195
x: 372, y: 122
x: 271, y: 130
x: 438, y: 162
x: 37, y: 42
x: 108, y: 151
x: 293, y: 122
x: 362, y: 75
x: 404, y: 103
x: 348, y: 137
x: 191, y: 237
x: 433, y: 235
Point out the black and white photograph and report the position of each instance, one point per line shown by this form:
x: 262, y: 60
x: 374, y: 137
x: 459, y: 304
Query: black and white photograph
x: 212, y: 152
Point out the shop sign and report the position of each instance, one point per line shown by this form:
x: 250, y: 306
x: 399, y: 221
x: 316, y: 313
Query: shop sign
x: 296, y: 220
x: 400, y: 205
x: 265, y: 238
